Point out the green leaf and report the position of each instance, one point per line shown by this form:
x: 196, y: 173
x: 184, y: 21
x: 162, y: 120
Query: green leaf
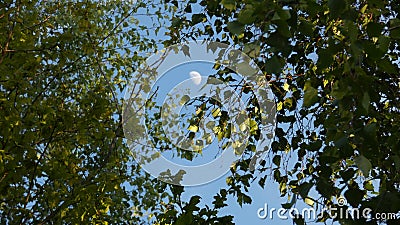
x: 309, y: 201
x: 246, y: 15
x: 193, y: 128
x: 387, y: 66
x: 252, y: 50
x: 243, y: 198
x: 337, y: 7
x: 244, y: 125
x: 354, y: 196
x: 185, y: 218
x: 219, y: 201
x: 306, y: 28
x: 277, y: 160
x: 281, y: 14
x: 216, y: 112
x: 374, y: 29
x: 324, y: 187
x: 253, y: 126
x: 298, y: 220
x: 304, y: 189
x: 229, y: 4
x: 363, y: 164
x: 325, y: 57
x: 286, y: 87
x: 274, y: 65
x: 184, y: 99
x: 289, y: 204
x: 368, y: 185
x: 279, y: 106
x: 186, y: 50
x: 310, y: 95
x: 366, y: 101
x: 210, y: 125
x: 235, y: 27
x: 198, y: 18
x: 194, y: 200
x: 395, y: 29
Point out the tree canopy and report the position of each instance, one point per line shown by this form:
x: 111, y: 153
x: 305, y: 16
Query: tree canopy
x: 332, y: 66
x: 62, y: 157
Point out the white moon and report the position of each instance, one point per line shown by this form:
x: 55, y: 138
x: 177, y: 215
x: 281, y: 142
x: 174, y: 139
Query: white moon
x: 196, y: 77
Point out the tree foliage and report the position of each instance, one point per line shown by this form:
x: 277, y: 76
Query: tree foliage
x: 332, y: 65
x: 62, y: 156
